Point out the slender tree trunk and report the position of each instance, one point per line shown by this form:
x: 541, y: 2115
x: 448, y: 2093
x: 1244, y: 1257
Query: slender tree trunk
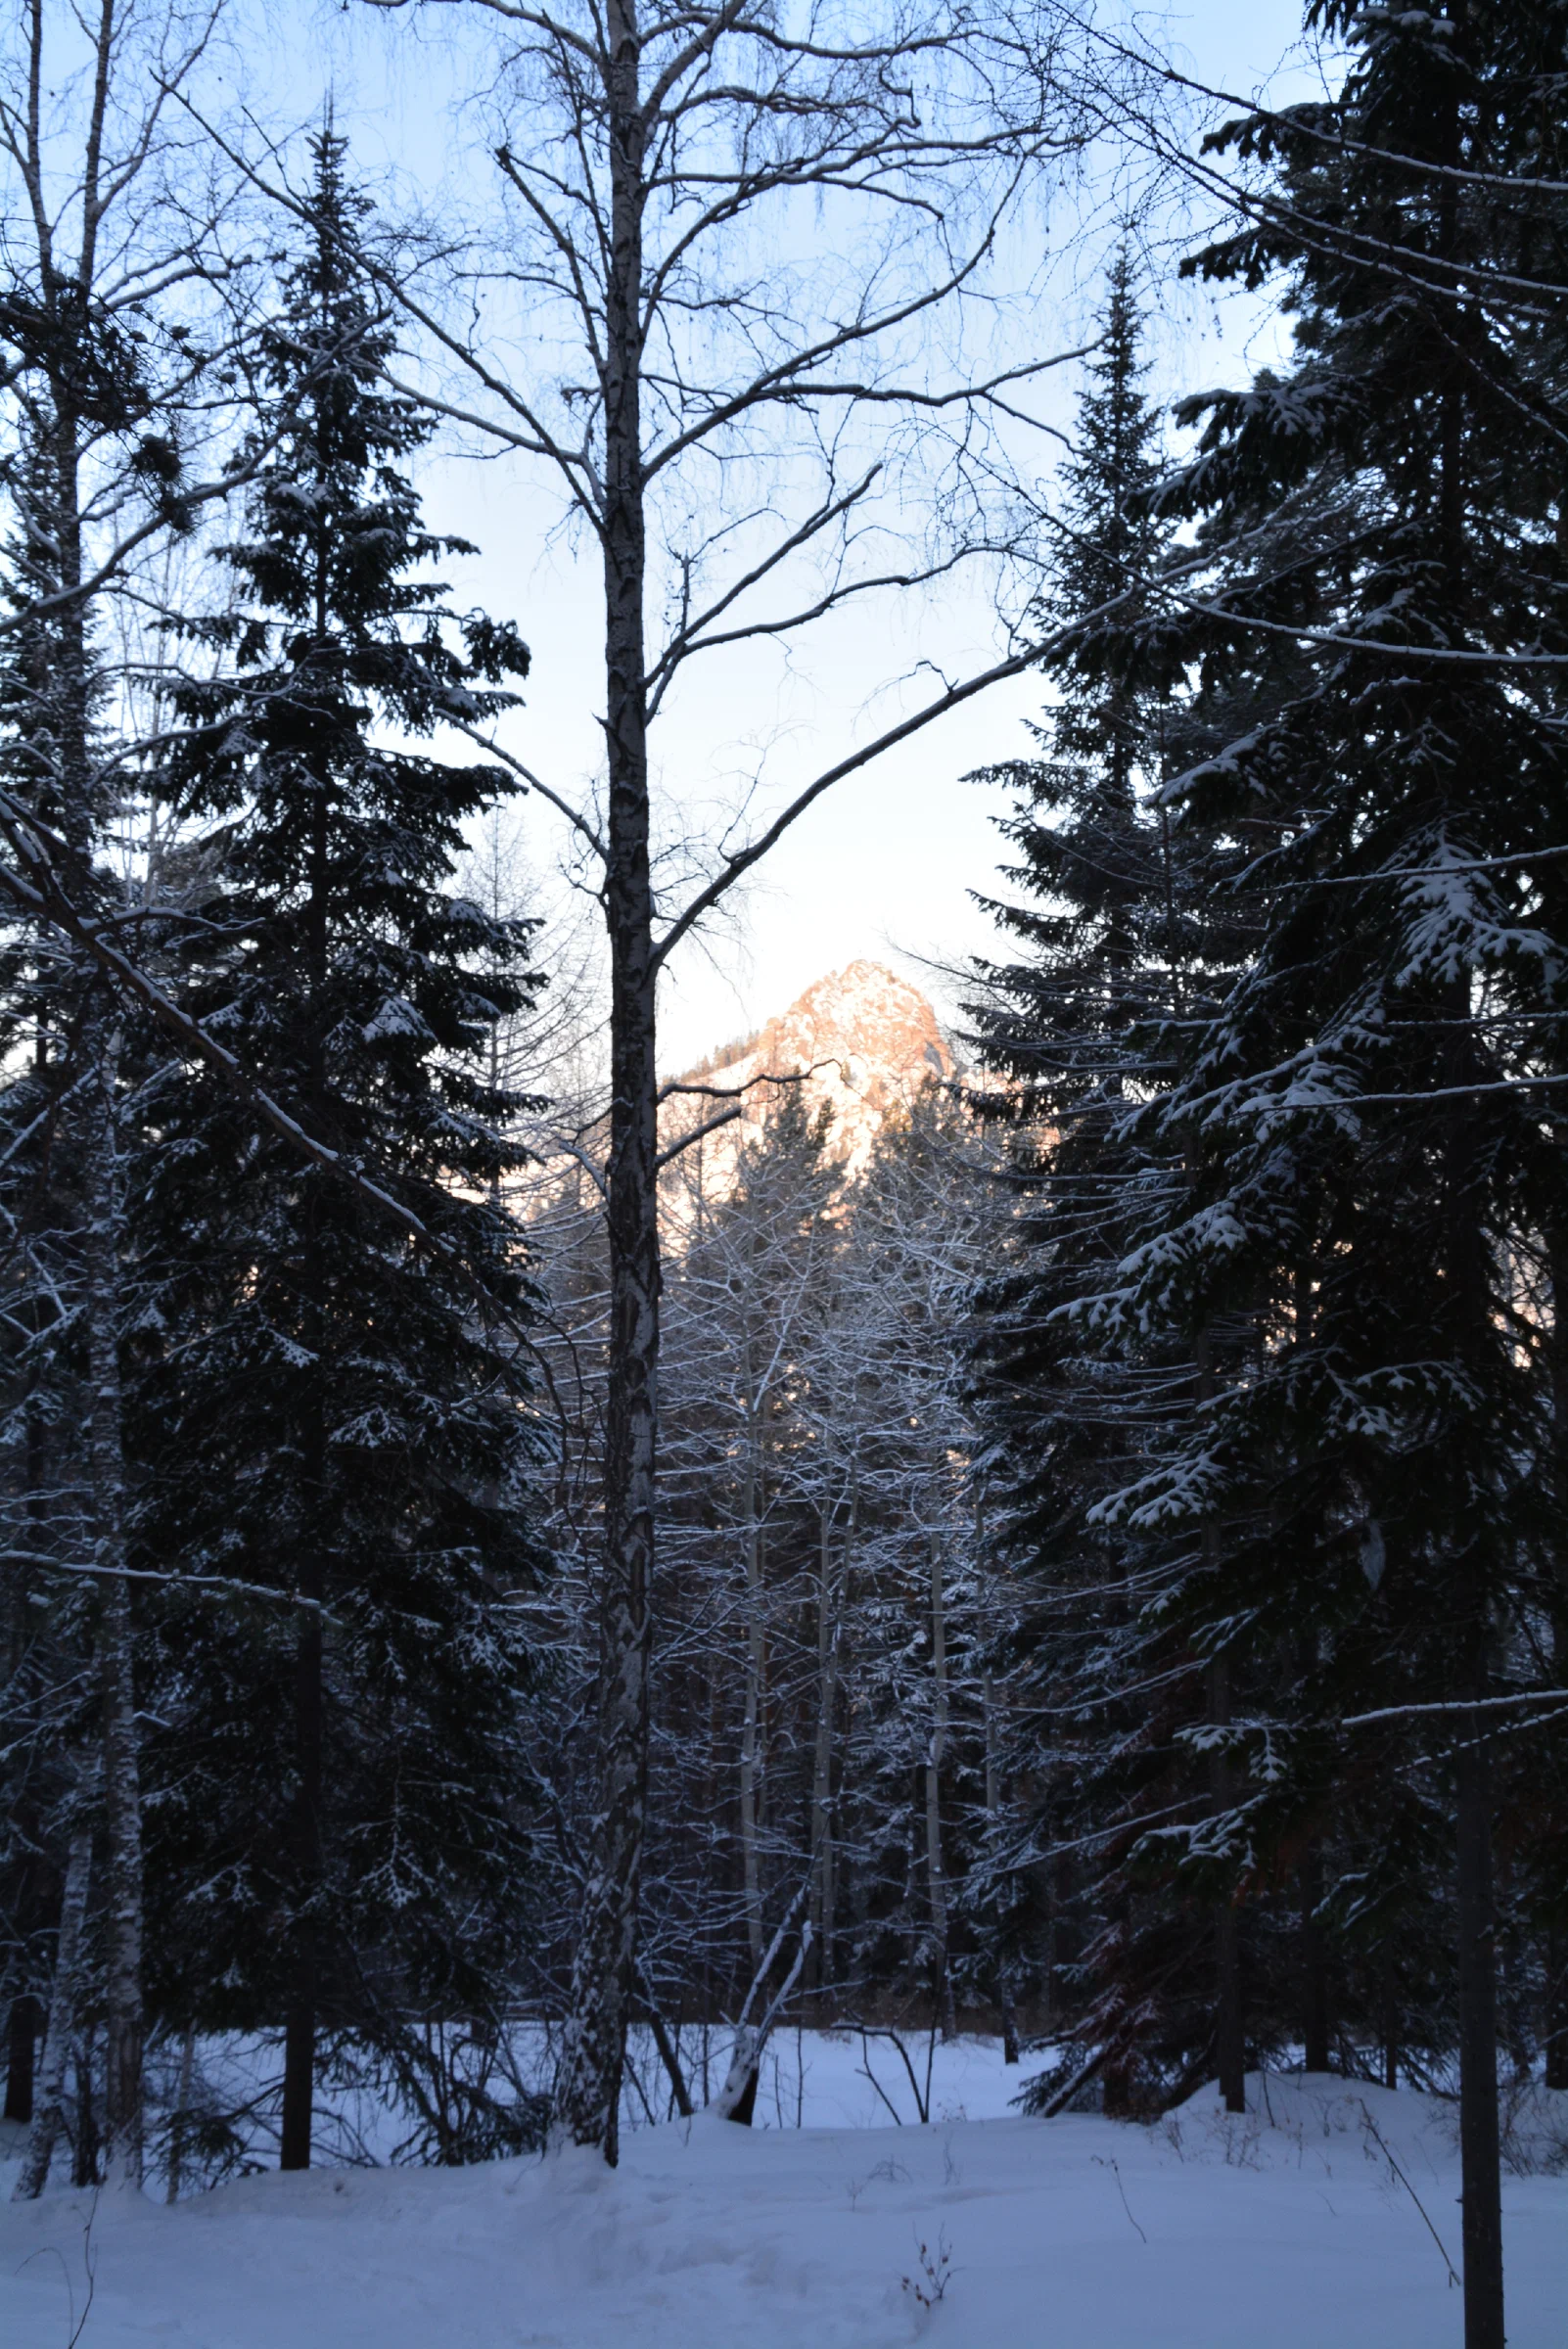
x: 751, y: 1720
x: 1479, y: 2149
x: 1390, y: 1996
x: 1231, y: 2046
x: 1230, y: 2033
x: 1313, y: 1966
x: 1007, y: 2007
x: 304, y: 1959
x: 27, y: 2018
x: 1315, y: 2026
x: 587, y: 2100
x: 306, y: 1840
x: 21, y: 2042
x: 49, y: 2114
x: 1474, y: 1569
x: 935, y: 1873
x: 1557, y: 2075
x: 123, y: 1805
x: 827, y: 1697
x: 85, y: 2152
x: 307, y: 1825
x: 1557, y: 2003
x: 178, y: 2121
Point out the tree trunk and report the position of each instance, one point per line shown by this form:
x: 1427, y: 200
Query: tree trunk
x: 22, y: 2041
x: 1313, y: 1966
x: 827, y: 1696
x: 1479, y: 2149
x: 1231, y: 2046
x: 48, y: 2115
x: 308, y: 1847
x: 587, y: 2100
x: 308, y: 1834
x: 1556, y: 2004
x: 1230, y: 2051
x: 935, y: 1873
x: 1475, y: 1570
x: 123, y: 1805
x: 750, y: 1723
x: 85, y: 2152
x: 307, y: 1825
x: 177, y: 2120
x: 1390, y: 1993
x: 1006, y: 2006
x: 1556, y: 2008
x: 300, y: 2022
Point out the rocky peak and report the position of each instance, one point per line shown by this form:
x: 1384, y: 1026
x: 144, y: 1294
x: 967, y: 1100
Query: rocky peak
x: 870, y: 1041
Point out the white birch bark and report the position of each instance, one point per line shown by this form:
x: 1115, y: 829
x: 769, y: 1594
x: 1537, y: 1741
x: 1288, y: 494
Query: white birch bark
x: 48, y: 2116
x: 750, y: 1724
x: 653, y: 156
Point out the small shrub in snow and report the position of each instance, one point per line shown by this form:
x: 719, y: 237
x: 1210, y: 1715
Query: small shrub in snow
x: 936, y: 2271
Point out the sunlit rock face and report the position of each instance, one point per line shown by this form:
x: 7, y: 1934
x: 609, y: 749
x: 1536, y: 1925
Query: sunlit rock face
x: 869, y: 1043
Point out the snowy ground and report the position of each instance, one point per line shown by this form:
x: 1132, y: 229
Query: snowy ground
x: 1287, y: 2230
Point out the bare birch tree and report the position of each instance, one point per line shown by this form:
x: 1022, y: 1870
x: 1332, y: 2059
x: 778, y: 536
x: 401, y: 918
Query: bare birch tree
x: 746, y: 228
x: 48, y: 2117
x: 100, y: 235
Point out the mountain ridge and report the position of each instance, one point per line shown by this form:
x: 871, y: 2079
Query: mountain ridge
x: 868, y: 1041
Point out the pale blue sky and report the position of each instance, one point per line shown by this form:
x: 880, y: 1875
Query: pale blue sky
x: 883, y: 865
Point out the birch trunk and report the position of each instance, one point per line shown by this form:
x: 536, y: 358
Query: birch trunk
x: 123, y: 1802
x: 750, y: 1724
x: 587, y: 2099
x: 827, y: 1684
x: 1008, y: 2013
x: 48, y: 2115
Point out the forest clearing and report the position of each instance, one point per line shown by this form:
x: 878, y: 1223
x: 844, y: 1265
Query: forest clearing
x: 1289, y: 2228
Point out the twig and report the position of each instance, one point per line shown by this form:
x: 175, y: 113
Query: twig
x: 1377, y: 2137
x: 1102, y: 2162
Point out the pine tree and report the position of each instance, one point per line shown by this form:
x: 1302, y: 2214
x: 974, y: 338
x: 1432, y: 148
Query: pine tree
x: 323, y: 1414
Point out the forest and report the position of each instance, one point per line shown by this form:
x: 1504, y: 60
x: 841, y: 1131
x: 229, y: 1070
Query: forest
x: 527, y: 1570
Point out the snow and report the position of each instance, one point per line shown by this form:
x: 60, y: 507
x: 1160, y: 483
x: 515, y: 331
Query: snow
x: 1285, y: 2230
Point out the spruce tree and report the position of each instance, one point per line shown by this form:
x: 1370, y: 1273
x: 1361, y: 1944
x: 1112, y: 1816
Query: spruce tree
x: 325, y: 1415
x: 1125, y: 946
x: 1377, y: 1163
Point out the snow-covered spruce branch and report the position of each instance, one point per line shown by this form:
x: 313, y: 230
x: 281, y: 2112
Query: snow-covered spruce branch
x: 1465, y: 1705
x: 221, y: 1584
x: 46, y: 898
